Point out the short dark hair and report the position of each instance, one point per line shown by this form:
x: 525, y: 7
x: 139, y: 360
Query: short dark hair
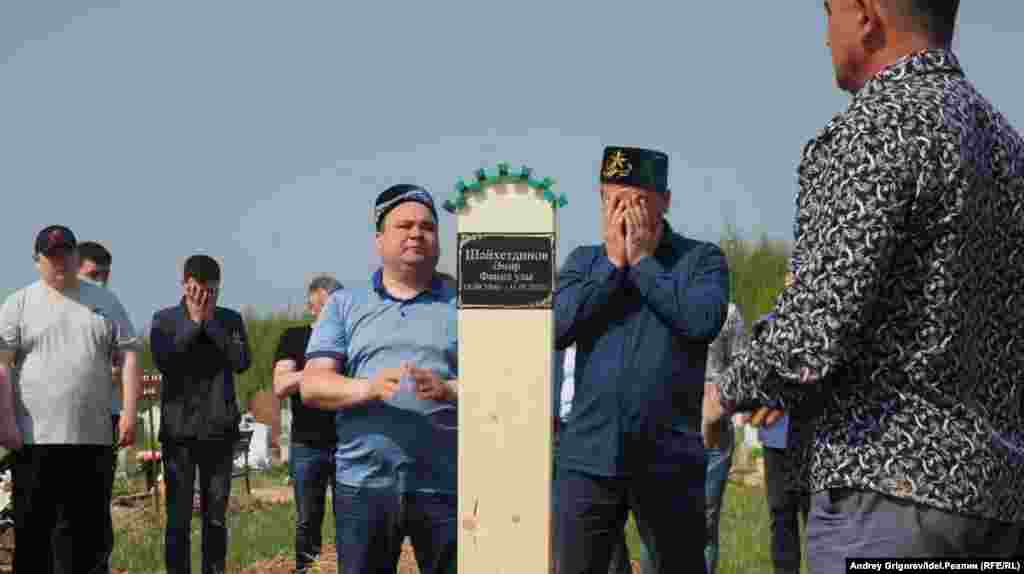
x: 92, y: 251
x: 936, y: 18
x: 325, y: 282
x: 202, y: 268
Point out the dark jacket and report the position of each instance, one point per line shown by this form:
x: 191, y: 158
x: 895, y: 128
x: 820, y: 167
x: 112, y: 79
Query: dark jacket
x: 641, y: 336
x: 198, y: 362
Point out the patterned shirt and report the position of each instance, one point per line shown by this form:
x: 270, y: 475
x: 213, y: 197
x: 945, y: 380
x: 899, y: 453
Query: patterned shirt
x: 907, y: 301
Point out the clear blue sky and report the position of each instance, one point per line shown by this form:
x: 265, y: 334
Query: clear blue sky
x: 260, y: 132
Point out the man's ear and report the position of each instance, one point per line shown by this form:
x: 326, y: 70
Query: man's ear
x: 871, y: 14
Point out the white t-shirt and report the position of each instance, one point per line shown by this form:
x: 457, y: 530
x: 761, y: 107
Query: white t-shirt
x: 64, y: 344
x: 568, y: 384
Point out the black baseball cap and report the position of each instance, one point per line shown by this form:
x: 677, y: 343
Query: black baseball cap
x: 53, y: 237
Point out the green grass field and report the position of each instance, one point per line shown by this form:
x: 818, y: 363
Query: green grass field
x: 261, y: 530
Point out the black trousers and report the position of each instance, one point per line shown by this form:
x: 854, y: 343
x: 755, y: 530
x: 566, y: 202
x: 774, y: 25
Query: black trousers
x: 213, y: 460
x: 785, y: 506
x: 66, y: 482
x: 62, y: 534
x: 666, y: 495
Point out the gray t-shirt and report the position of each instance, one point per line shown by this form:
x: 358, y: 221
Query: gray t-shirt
x: 64, y: 344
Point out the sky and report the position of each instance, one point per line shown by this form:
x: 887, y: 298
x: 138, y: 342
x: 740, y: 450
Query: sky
x: 260, y: 132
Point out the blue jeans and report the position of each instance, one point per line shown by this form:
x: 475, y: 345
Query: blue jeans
x: 719, y: 465
x: 312, y: 469
x: 373, y: 522
x: 213, y: 459
x: 719, y: 462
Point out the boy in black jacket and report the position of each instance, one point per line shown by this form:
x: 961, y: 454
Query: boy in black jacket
x: 198, y: 348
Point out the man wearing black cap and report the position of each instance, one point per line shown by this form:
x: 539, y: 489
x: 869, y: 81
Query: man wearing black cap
x: 385, y: 358
x: 642, y: 309
x: 199, y: 348
x: 62, y: 333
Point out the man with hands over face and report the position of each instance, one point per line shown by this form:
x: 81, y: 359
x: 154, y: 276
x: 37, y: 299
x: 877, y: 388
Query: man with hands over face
x: 199, y: 348
x: 642, y: 310
x: 385, y: 358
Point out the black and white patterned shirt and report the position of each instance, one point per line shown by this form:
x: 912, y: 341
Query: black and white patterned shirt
x: 908, y: 299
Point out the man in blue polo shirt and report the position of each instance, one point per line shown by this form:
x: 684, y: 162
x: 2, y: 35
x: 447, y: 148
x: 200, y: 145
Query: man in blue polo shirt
x: 642, y: 309
x: 386, y: 359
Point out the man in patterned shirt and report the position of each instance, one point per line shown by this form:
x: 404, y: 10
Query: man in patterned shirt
x: 905, y: 311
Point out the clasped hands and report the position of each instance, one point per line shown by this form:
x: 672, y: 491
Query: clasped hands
x: 714, y: 410
x: 632, y: 230
x: 427, y: 383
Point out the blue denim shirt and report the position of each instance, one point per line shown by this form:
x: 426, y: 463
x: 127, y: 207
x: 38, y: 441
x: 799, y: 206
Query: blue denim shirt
x: 404, y: 443
x: 642, y: 336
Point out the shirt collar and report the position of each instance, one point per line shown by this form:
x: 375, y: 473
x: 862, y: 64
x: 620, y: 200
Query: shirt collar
x: 924, y: 62
x: 436, y: 287
x: 666, y: 243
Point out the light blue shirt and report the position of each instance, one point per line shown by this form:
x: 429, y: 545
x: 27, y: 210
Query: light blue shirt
x: 404, y: 443
x: 774, y: 436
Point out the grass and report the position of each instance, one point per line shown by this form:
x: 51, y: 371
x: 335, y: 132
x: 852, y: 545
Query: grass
x: 261, y: 530
x: 264, y: 530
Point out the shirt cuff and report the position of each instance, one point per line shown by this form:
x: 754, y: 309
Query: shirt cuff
x: 340, y: 357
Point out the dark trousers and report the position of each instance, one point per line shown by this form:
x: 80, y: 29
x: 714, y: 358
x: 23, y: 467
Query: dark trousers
x: 43, y: 493
x: 213, y: 460
x: 62, y: 534
x: 312, y: 469
x: 373, y: 522
x: 620, y: 561
x: 785, y: 506
x: 846, y: 523
x: 666, y: 496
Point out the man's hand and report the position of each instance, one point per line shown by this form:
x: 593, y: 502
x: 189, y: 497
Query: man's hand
x: 385, y: 383
x: 643, y: 231
x: 10, y: 434
x: 713, y: 416
x: 286, y: 379
x: 762, y: 417
x: 195, y: 300
x: 200, y: 302
x: 429, y: 385
x: 614, y: 231
x: 126, y: 431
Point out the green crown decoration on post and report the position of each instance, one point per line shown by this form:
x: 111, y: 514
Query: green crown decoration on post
x: 504, y: 174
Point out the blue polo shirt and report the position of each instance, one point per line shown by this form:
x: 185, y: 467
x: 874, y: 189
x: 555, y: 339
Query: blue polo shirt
x: 642, y: 336
x: 404, y: 443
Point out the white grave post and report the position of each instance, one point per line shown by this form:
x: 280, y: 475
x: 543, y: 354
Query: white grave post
x: 507, y: 264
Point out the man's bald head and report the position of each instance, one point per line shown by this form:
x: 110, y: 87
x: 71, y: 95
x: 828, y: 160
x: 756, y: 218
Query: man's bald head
x: 934, y: 18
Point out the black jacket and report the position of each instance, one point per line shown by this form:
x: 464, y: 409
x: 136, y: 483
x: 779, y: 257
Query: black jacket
x: 198, y: 362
